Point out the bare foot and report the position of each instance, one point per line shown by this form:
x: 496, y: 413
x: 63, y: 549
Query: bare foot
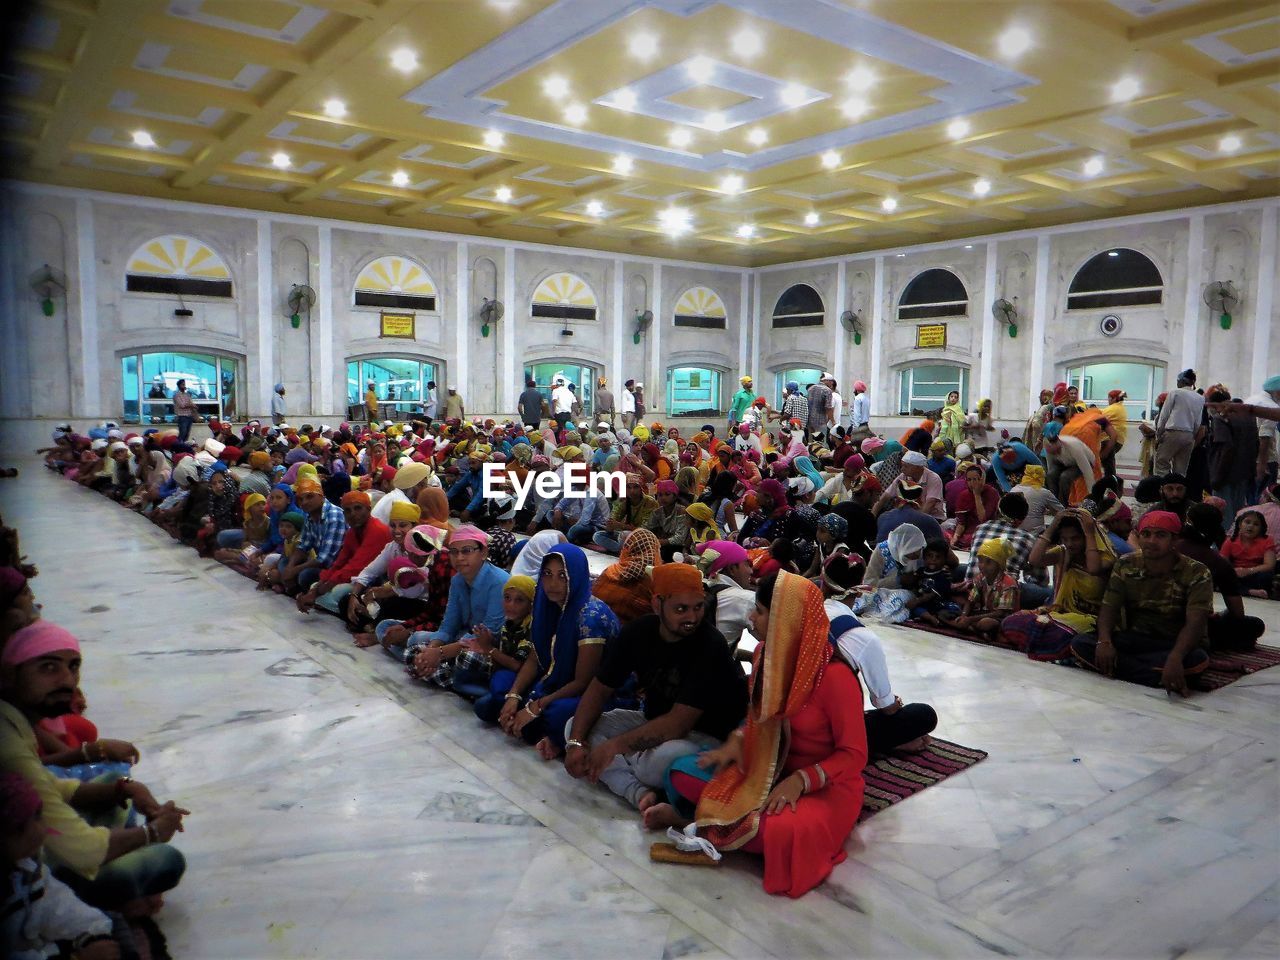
x: 916, y: 745
x: 547, y: 749
x: 647, y: 800
x: 365, y: 640
x: 659, y: 816
x: 1260, y: 594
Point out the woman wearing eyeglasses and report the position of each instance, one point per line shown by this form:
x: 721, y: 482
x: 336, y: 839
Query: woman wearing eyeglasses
x: 570, y: 629
x: 475, y: 596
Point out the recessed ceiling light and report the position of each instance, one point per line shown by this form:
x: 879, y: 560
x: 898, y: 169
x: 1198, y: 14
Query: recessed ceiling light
x: 747, y: 43
x: 400, y: 178
x: 982, y: 187
x: 556, y: 87
x: 1229, y: 144
x: 831, y: 159
x: 1126, y: 88
x: 889, y: 204
x: 625, y: 99
x: 680, y: 137
x: 731, y: 183
x: 335, y: 108
x: 1014, y: 42
x: 503, y: 194
x: 700, y: 69
x: 623, y: 164
x: 715, y: 122
x: 793, y: 95
x: 854, y: 107
x: 958, y: 128
x: 1093, y: 166
x: 141, y: 138
x: 1113, y: 253
x: 968, y: 246
x: 810, y: 219
x: 675, y: 220
x: 860, y: 78
x: 404, y: 60
x: 595, y: 208
x: 900, y: 254
x: 643, y: 45
x: 281, y: 160
x: 746, y: 230
x: 758, y: 136
x: 494, y: 138
x: 575, y: 113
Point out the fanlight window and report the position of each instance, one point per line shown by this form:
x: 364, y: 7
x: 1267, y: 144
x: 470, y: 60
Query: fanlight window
x: 1115, y: 278
x: 178, y: 265
x: 396, y: 282
x: 934, y: 293
x: 701, y: 307
x: 799, y: 306
x: 564, y: 296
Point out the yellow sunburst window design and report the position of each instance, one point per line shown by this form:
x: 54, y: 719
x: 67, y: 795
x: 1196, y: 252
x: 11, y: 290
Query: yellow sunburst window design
x: 395, y: 282
x: 178, y: 265
x: 564, y: 296
x: 701, y: 307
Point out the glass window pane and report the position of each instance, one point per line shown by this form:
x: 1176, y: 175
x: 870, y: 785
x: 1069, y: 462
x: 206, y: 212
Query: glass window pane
x: 1096, y: 380
x: 581, y: 376
x: 693, y: 391
x: 129, y: 382
x: 161, y: 373
x: 805, y: 376
x: 924, y: 389
x: 354, y: 386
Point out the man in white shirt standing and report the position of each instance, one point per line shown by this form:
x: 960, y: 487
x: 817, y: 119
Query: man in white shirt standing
x: 1268, y: 396
x: 861, y: 411
x: 431, y: 409
x: 1178, y: 428
x: 628, y: 405
x: 279, y: 409
x: 837, y: 405
x: 562, y: 401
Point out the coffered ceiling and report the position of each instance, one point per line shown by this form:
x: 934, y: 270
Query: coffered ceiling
x: 739, y: 131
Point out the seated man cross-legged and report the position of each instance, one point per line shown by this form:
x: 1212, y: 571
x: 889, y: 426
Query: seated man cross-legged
x: 694, y: 694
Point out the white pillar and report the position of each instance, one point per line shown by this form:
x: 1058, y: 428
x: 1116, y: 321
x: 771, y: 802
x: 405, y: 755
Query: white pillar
x: 1263, y: 320
x: 987, y: 358
x: 744, y: 322
x: 511, y: 377
x: 264, y: 366
x: 657, y: 382
x: 462, y: 325
x: 878, y: 384
x: 839, y: 337
x: 1039, y: 324
x: 1192, y: 307
x: 619, y: 331
x: 323, y: 333
x: 89, y: 401
x: 15, y: 393
x: 762, y: 389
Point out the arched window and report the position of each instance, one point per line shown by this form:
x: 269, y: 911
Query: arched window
x: 400, y: 383
x: 693, y: 392
x: 396, y: 282
x: 148, y: 381
x: 177, y: 265
x: 1115, y: 278
x: 700, y: 307
x: 934, y: 293
x: 799, y: 306
x: 923, y: 389
x: 564, y: 296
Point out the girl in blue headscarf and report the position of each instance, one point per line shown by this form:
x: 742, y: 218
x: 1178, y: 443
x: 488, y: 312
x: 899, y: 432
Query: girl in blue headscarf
x: 279, y: 502
x: 570, y: 629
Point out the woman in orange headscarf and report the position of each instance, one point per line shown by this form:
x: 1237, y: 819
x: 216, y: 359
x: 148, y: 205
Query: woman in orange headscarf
x: 1087, y: 426
x: 789, y: 782
x: 434, y: 506
x: 625, y: 585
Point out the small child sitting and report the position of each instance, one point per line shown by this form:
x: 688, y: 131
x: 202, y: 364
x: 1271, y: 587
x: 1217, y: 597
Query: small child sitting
x: 39, y: 912
x: 487, y: 666
x: 271, y: 573
x: 993, y: 594
x: 933, y: 598
x: 70, y: 747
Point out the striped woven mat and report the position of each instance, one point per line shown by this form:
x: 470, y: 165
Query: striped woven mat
x: 900, y: 775
x: 1225, y: 668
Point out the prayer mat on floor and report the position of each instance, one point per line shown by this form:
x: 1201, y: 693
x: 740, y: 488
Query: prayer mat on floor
x: 899, y: 775
x: 944, y: 631
x: 1225, y: 668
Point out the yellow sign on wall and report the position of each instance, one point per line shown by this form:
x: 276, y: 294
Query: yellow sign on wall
x: 398, y: 325
x: 931, y: 335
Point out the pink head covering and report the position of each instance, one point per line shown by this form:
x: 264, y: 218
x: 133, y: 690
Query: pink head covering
x: 37, y: 640
x: 403, y: 572
x: 19, y: 801
x: 469, y: 532
x: 424, y: 539
x: 666, y: 486
x: 871, y: 445
x: 728, y: 552
x: 859, y: 386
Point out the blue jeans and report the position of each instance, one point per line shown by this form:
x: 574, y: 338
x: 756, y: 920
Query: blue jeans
x: 1237, y: 497
x: 308, y: 577
x: 332, y: 600
x: 227, y: 539
x: 1033, y: 595
x: 490, y: 704
x: 184, y: 428
x: 580, y: 533
x: 609, y: 539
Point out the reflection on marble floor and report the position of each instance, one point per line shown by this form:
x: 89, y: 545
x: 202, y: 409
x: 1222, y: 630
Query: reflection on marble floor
x: 339, y: 811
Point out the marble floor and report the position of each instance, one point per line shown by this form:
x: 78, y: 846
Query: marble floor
x: 338, y: 811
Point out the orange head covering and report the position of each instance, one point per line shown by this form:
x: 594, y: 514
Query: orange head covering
x: 434, y: 505
x: 673, y: 578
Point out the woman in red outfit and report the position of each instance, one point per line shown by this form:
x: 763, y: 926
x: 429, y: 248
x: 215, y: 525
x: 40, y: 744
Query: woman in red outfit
x: 789, y: 782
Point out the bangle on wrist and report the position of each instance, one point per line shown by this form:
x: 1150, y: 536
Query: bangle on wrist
x: 512, y: 696
x: 121, y: 791
x: 84, y: 751
x: 570, y: 744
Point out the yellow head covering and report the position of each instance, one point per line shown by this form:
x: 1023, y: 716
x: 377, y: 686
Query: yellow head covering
x: 522, y: 583
x: 403, y: 511
x: 308, y: 472
x: 1033, y: 475
x: 998, y: 549
x: 250, y: 500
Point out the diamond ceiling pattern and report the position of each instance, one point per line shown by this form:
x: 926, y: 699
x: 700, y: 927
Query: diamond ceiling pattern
x: 742, y: 131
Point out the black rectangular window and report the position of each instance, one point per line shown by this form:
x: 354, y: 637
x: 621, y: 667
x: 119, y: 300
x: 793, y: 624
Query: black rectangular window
x: 705, y: 323
x: 180, y: 286
x: 927, y: 310
x: 800, y: 320
x: 403, y: 301
x: 1113, y: 298
x: 556, y: 311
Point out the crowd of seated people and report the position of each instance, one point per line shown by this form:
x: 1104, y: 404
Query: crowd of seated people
x: 744, y: 577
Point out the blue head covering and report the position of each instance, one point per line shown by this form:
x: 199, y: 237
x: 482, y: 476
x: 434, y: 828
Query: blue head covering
x: 1052, y: 430
x: 804, y: 466
x: 793, y: 386
x: 557, y: 630
x: 218, y: 466
x: 273, y: 517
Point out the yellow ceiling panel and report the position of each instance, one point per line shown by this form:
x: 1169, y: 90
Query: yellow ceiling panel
x: 271, y: 15
x: 201, y: 63
x: 1164, y: 113
x: 1255, y: 38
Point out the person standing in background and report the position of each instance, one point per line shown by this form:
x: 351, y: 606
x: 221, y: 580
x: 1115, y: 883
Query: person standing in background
x: 1178, y: 428
x: 837, y: 405
x: 741, y: 402
x: 184, y: 410
x: 860, y: 417
x: 562, y: 401
x: 279, y: 409
x: 371, y: 403
x: 454, y: 408
x: 641, y: 409
x: 628, y: 405
x: 604, y: 402
x: 530, y: 404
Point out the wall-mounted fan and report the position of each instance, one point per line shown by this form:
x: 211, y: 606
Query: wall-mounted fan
x: 47, y: 283
x: 852, y: 321
x: 490, y: 313
x: 301, y: 297
x: 643, y: 322
x: 1006, y: 313
x: 1222, y: 298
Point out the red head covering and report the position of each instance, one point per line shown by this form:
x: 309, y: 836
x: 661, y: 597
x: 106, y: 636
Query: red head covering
x: 1161, y: 520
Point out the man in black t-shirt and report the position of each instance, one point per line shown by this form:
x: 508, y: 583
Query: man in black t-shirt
x: 694, y: 693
